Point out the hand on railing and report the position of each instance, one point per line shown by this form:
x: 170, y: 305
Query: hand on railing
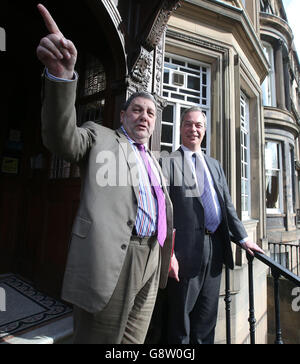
x: 252, y: 248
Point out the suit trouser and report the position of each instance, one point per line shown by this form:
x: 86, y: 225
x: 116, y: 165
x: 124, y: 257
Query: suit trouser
x: 193, y: 302
x: 127, y: 316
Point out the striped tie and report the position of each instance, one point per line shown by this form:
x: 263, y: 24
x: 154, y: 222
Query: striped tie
x: 210, y: 211
x: 161, y: 203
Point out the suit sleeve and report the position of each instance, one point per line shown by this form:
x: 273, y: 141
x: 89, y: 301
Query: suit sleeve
x: 236, y: 227
x: 59, y: 127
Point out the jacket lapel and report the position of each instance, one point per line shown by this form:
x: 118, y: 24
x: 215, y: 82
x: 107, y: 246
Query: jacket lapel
x: 126, y: 149
x: 188, y: 177
x: 214, y: 177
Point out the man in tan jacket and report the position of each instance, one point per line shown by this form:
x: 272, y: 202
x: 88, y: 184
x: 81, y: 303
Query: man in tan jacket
x: 121, y: 242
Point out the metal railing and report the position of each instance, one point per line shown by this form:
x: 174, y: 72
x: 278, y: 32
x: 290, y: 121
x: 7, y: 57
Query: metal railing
x: 287, y: 255
x: 277, y: 271
x: 298, y: 217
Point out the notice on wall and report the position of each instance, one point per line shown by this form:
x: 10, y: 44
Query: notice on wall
x: 10, y: 165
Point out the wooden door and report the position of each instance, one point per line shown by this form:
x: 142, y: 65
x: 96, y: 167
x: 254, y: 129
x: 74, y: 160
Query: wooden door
x: 38, y: 204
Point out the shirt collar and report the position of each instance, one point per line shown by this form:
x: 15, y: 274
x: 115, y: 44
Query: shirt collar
x: 131, y: 141
x: 190, y: 152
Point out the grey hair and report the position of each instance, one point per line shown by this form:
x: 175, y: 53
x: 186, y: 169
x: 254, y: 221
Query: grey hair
x: 143, y: 94
x: 191, y: 109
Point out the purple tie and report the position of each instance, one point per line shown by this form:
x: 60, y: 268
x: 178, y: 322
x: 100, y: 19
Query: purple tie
x: 161, y: 203
x: 211, y: 217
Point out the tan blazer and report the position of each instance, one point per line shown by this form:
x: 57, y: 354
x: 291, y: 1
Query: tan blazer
x: 106, y: 214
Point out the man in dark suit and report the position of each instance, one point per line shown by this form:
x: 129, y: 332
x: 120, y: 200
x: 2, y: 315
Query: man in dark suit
x: 206, y: 222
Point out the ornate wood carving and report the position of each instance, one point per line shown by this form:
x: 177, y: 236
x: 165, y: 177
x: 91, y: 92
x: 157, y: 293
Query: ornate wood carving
x: 142, y: 71
x: 160, y: 23
x: 146, y: 69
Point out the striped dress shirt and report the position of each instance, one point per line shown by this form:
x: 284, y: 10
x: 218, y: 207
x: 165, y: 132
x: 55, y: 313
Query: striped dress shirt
x: 146, y: 220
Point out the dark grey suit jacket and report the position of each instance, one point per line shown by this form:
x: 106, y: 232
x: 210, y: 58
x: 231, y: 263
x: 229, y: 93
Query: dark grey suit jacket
x: 189, y: 219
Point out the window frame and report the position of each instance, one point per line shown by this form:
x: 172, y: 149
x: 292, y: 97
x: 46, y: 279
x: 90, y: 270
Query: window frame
x: 269, y: 83
x: 177, y: 104
x: 276, y: 211
x: 245, y: 157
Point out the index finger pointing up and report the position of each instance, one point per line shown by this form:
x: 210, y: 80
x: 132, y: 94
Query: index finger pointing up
x: 49, y: 21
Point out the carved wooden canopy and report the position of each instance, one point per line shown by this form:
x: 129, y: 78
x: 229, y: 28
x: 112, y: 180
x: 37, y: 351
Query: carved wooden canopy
x: 143, y: 23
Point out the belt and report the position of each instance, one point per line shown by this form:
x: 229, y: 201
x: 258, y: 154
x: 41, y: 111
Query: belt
x: 207, y: 232
x: 150, y: 241
x: 146, y: 240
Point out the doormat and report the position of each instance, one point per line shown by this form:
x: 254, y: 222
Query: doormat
x: 23, y: 308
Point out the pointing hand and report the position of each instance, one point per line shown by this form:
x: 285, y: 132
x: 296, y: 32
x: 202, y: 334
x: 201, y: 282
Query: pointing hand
x: 54, y: 51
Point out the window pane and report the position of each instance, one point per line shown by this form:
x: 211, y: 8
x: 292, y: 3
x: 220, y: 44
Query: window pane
x: 195, y: 67
x: 273, y: 175
x: 271, y: 154
x: 192, y: 99
x: 194, y: 83
x: 244, y: 187
x: 272, y: 190
x: 170, y: 88
x: 168, y: 114
x: 242, y: 112
x: 245, y: 156
x: 180, y: 63
x: 166, y: 76
x: 268, y: 86
x: 179, y: 97
x: 95, y: 77
x: 246, y: 203
x: 167, y: 133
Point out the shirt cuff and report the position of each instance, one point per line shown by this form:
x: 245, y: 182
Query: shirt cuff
x: 54, y: 78
x: 243, y: 241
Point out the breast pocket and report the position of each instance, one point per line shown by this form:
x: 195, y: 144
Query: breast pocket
x: 81, y: 227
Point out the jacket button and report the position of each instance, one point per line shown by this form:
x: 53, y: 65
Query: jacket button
x: 123, y: 247
x: 130, y: 223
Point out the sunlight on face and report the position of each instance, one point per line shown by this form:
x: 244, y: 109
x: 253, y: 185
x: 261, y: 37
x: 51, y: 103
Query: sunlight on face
x: 139, y: 119
x: 193, y: 130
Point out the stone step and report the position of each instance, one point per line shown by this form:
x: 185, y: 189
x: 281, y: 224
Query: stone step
x: 58, y: 332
